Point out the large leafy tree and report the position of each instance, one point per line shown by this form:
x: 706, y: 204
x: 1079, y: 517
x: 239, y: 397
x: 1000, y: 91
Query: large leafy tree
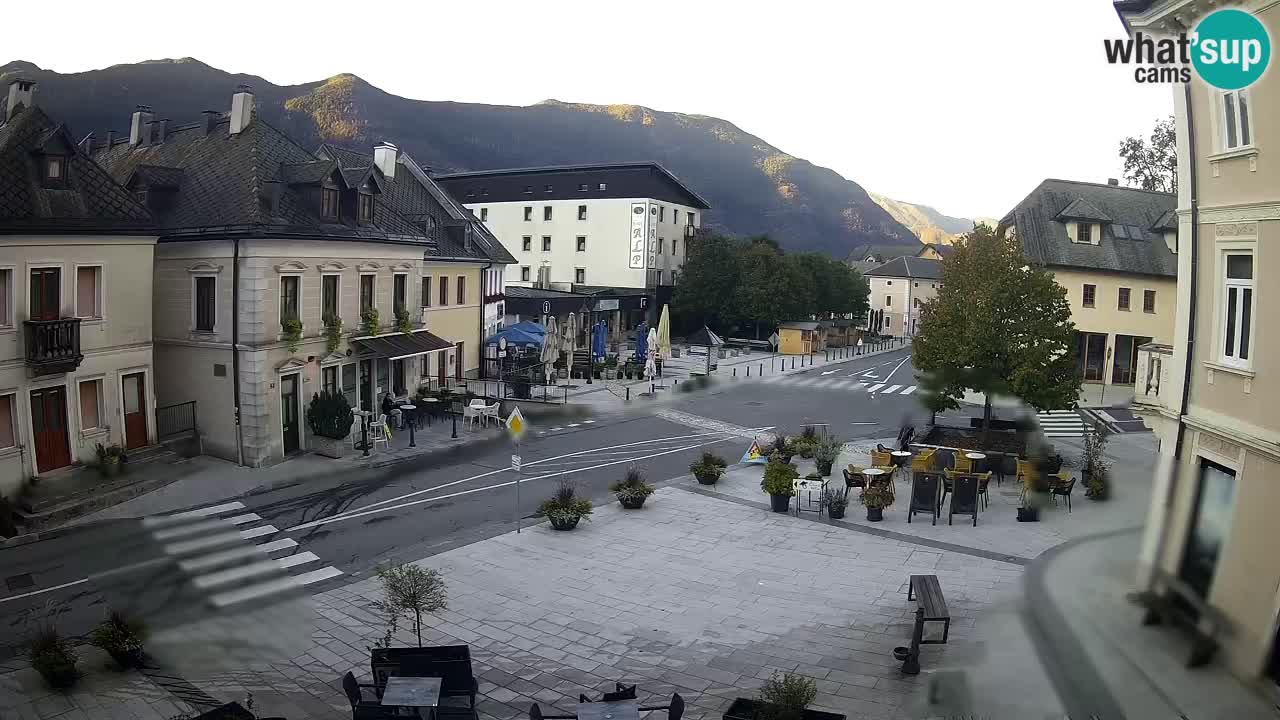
x: 997, y: 325
x: 1153, y: 164
x: 708, y: 281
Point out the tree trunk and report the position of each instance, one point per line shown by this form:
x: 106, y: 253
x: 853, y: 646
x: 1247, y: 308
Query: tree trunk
x: 986, y: 419
x: 417, y: 626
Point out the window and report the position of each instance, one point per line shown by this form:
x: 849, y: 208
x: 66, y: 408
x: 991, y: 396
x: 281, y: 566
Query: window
x: 288, y: 297
x: 546, y: 212
x: 675, y: 216
x: 484, y: 214
x: 1236, y: 127
x: 426, y: 291
x: 1084, y: 233
x: 1237, y: 315
x: 366, y: 293
x: 365, y: 208
x: 602, y: 186
x: 1088, y: 295
x: 328, y: 297
x: 689, y: 216
x: 582, y: 243
x: 524, y: 273
x: 329, y: 203
x: 528, y: 213
x: 662, y: 213
x: 444, y: 291
x: 674, y: 242
x: 580, y: 275
x: 526, y: 243
x: 662, y: 245
x: 206, y: 303
x: 349, y: 383
x: 462, y: 290
x: 546, y: 188
x: 888, y: 301
x: 1122, y: 300
x: 55, y: 171
x: 90, y: 404
x: 329, y: 379
x: 397, y: 377
x: 528, y: 189
x: 546, y: 243
x: 6, y: 297
x: 1148, y: 301
x: 8, y: 436
x: 582, y: 187
x: 89, y: 292
x: 399, y: 292
x: 582, y: 212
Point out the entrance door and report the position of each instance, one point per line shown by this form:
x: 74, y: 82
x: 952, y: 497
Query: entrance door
x: 46, y: 294
x: 1091, y: 353
x: 366, y: 385
x: 289, y: 412
x: 457, y: 362
x: 1126, y: 358
x: 49, y: 426
x: 134, y: 392
x: 1209, y: 526
x: 441, y: 358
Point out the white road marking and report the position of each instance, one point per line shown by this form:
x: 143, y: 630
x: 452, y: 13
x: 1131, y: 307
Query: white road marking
x: 874, y: 388
x: 864, y: 423
x: 895, y: 369
x: 828, y: 372
x: 73, y: 583
x: 909, y: 390
x: 149, y: 522
x: 892, y: 389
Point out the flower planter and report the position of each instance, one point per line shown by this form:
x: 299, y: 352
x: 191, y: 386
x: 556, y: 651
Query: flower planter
x: 109, y: 467
x: 780, y: 503
x: 835, y: 513
x: 747, y: 709
x: 707, y: 478
x: 610, y: 374
x: 563, y: 373
x: 564, y: 523
x: 875, y: 514
x: 127, y: 659
x: 632, y: 502
x: 823, y: 468
x: 329, y: 447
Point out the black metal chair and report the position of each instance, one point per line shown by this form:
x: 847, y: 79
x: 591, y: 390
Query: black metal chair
x: 675, y: 710
x: 352, y: 688
x: 535, y: 713
x: 621, y: 692
x: 1057, y: 490
x: 374, y: 712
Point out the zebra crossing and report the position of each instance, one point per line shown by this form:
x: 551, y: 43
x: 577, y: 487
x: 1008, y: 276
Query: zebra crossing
x: 1061, y: 423
x: 230, y: 557
x: 818, y: 382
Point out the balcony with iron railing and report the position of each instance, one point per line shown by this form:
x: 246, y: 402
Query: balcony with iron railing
x: 53, y: 346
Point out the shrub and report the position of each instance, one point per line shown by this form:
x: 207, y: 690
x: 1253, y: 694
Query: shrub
x: 292, y: 328
x: 778, y: 478
x: 788, y: 695
x: 110, y: 453
x: 825, y: 454
x: 369, y: 321
x: 876, y: 496
x: 1094, y: 463
x: 332, y: 333
x: 835, y: 499
x: 329, y: 415
x: 809, y: 434
x: 121, y: 637
x: 53, y: 657
x: 631, y: 486
x: 714, y: 459
x: 403, y: 323
x: 565, y: 503
x: 409, y: 591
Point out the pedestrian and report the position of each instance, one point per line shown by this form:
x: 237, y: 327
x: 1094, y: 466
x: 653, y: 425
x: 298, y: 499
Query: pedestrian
x: 390, y: 410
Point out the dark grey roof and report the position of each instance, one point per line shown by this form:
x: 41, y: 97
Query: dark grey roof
x: 529, y: 292
x: 91, y: 200
x: 153, y: 176
x: 609, y: 290
x: 1167, y: 221
x: 696, y: 200
x: 799, y: 325
x: 1127, y: 246
x: 881, y: 253
x: 401, y: 345
x: 909, y: 267
x: 1081, y: 209
x: 943, y: 250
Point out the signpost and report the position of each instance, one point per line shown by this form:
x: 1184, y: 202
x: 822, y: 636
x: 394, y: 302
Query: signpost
x: 516, y: 428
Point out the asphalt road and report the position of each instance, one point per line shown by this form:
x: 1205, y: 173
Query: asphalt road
x: 355, y: 520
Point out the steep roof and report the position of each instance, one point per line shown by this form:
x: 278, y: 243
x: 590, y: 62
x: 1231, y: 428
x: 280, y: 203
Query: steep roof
x: 798, y: 325
x: 694, y: 199
x: 881, y: 253
x: 909, y: 267
x: 90, y: 201
x: 1128, y: 244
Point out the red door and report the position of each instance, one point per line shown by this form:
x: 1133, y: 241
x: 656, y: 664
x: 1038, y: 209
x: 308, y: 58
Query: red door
x: 46, y: 294
x: 457, y: 363
x: 49, y: 426
x: 134, y: 390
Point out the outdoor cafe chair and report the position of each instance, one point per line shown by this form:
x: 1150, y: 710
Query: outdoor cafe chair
x: 535, y: 713
x: 675, y: 710
x: 379, y: 432
x: 881, y: 459
x: 923, y: 461
x: 473, y: 414
x: 962, y: 463
x: 1058, y: 489
x: 853, y: 477
x: 491, y: 413
x: 984, y: 479
x: 622, y: 692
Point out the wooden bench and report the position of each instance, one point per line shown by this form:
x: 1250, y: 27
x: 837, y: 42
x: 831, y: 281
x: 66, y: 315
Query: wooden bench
x: 928, y: 593
x: 1174, y: 601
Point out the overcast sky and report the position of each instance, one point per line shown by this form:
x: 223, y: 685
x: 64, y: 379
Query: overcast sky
x: 961, y: 105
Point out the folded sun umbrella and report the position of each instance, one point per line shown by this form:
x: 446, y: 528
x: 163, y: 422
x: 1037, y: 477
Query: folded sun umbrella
x: 664, y: 333
x: 550, y: 348
x: 642, y: 340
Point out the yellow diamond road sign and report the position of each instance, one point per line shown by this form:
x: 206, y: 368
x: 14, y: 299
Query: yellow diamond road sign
x: 516, y: 424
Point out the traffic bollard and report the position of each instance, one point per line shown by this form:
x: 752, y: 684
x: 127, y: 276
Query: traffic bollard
x: 735, y: 372
x: 628, y: 393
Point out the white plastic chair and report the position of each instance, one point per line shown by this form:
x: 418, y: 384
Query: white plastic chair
x: 379, y: 432
x: 472, y: 414
x: 353, y: 435
x: 491, y: 412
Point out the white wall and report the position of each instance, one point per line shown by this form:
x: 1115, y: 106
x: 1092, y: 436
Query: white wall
x: 607, y: 229
x: 900, y: 309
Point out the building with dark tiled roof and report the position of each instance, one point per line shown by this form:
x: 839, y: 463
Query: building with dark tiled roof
x: 898, y: 289
x: 282, y: 271
x: 1114, y: 250
x: 865, y: 257
x: 76, y: 253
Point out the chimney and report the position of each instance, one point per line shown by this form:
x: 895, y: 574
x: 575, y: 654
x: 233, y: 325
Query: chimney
x: 241, y: 109
x: 111, y: 138
x: 384, y: 156
x: 141, y: 117
x: 210, y: 121
x: 86, y: 145
x: 1113, y: 182
x: 149, y: 133
x: 21, y: 94
x: 163, y: 133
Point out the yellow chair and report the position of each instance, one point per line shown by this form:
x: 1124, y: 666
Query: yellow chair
x: 923, y: 461
x: 963, y: 464
x: 881, y: 459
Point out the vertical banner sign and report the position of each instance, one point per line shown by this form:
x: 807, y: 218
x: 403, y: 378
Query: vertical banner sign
x: 653, y: 237
x: 638, y: 236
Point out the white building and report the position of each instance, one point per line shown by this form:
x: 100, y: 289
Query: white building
x: 898, y: 289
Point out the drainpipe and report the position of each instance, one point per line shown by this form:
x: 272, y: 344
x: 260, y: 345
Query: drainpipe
x: 484, y: 292
x: 235, y: 348
x: 1171, y: 491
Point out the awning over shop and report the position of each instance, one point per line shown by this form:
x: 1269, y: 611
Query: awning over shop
x: 524, y: 333
x: 400, y: 345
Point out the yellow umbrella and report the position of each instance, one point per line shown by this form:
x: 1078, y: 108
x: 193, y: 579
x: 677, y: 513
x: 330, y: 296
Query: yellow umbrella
x: 664, y: 333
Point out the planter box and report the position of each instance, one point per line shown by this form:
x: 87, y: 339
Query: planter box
x: 707, y: 478
x: 746, y: 709
x: 633, y: 503
x: 875, y: 514
x: 329, y: 447
x: 780, y: 503
x: 565, y: 524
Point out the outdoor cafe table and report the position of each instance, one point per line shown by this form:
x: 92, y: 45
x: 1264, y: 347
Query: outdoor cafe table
x: 873, y: 473
x: 411, y: 416
x: 900, y: 458
x: 413, y: 693
x: 616, y: 710
x: 979, y: 461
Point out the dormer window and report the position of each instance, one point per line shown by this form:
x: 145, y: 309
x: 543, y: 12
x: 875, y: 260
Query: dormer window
x: 364, y: 207
x: 329, y: 203
x: 55, y: 171
x: 1084, y: 233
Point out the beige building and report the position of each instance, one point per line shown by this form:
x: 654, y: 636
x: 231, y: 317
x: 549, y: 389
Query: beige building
x: 264, y: 245
x: 75, y: 302
x: 1114, y: 250
x: 898, y: 289
x: 1212, y: 394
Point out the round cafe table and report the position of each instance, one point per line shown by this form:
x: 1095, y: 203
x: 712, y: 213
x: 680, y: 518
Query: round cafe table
x: 432, y: 407
x: 979, y: 461
x: 410, y: 414
x: 364, y: 429
x: 874, y: 473
x: 900, y: 458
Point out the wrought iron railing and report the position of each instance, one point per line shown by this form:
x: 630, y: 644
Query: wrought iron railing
x: 53, y: 346
x: 175, y: 420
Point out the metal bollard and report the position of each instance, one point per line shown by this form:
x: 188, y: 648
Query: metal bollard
x: 748, y: 371
x: 761, y: 369
x: 735, y: 372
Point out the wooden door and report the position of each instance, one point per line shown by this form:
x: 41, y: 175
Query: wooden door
x: 457, y: 362
x: 441, y: 358
x: 133, y: 395
x: 289, y: 412
x: 46, y: 294
x: 49, y: 428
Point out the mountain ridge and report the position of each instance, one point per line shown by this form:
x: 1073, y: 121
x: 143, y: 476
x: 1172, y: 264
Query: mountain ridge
x: 754, y: 188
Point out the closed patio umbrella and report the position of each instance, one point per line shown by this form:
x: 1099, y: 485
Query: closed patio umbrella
x: 642, y: 340
x: 598, y: 340
x: 651, y: 362
x: 664, y: 333
x: 569, y: 336
x: 550, y: 348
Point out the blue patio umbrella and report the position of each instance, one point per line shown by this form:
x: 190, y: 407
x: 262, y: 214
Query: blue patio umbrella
x: 598, y: 340
x: 642, y: 341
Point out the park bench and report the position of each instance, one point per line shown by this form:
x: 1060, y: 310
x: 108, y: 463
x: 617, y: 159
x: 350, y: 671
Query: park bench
x: 928, y: 593
x: 1172, y: 600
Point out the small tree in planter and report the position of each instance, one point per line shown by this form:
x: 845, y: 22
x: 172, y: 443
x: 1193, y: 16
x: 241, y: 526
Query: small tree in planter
x: 53, y: 657
x: 110, y: 459
x: 781, y: 450
x: 1094, y: 465
x: 332, y: 333
x: 292, y: 330
x: 778, y: 484
x: 825, y: 455
x: 876, y: 498
x: 807, y: 443
x: 370, y: 323
x: 782, y: 697
x: 121, y: 637
x: 565, y: 508
x: 409, y: 591
x: 709, y: 469
x: 329, y: 417
x: 632, y: 490
x: 403, y: 324
x: 835, y: 500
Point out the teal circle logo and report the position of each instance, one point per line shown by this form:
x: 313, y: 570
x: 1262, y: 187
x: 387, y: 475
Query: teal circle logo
x: 1230, y: 49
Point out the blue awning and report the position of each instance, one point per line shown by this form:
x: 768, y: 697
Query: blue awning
x: 517, y: 335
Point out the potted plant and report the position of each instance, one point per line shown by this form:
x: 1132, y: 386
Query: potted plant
x: 564, y: 509
x: 611, y: 367
x: 835, y: 500
x: 370, y: 324
x: 709, y: 469
x: 632, y: 490
x: 778, y: 484
x: 53, y: 657
x: 782, y: 697
x: 110, y: 458
x: 121, y: 637
x: 332, y: 333
x: 781, y: 449
x: 876, y: 498
x: 1094, y: 465
x: 1033, y: 499
x: 329, y: 417
x: 824, y: 456
x: 403, y: 323
x: 291, y: 331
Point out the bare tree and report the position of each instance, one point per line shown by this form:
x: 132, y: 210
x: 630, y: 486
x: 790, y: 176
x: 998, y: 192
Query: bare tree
x: 409, y: 591
x: 1152, y: 165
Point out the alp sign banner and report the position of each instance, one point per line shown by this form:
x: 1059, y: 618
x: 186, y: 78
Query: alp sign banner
x: 1229, y: 49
